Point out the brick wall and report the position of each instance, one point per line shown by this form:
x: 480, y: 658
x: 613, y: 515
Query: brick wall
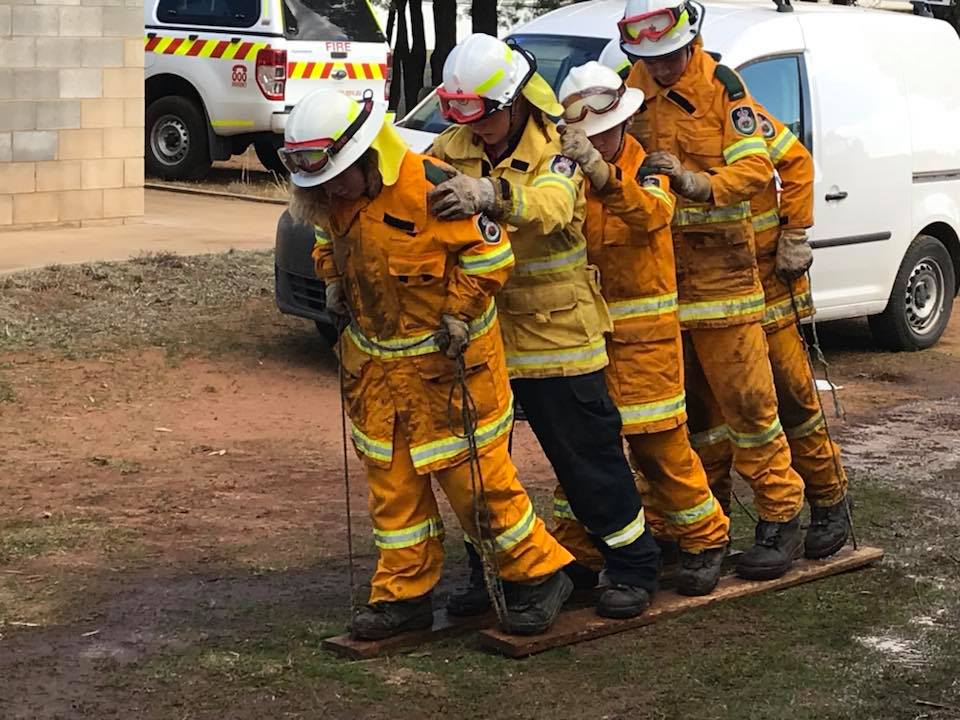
x: 71, y: 112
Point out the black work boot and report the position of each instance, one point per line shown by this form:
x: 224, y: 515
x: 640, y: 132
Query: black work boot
x: 622, y: 601
x: 472, y: 599
x: 380, y: 620
x: 828, y: 531
x: 700, y: 572
x: 532, y: 609
x: 776, y: 545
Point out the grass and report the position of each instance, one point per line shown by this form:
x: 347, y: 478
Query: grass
x: 59, y: 533
x: 7, y: 394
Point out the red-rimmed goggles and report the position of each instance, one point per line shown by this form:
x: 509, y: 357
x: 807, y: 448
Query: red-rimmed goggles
x: 596, y: 100
x: 650, y: 26
x: 466, y: 107
x: 312, y: 156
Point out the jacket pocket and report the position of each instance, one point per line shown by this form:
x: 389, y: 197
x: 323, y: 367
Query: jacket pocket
x: 719, y: 262
x: 414, y: 270
x: 701, y: 149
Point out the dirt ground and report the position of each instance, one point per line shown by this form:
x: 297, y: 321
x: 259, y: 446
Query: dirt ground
x: 172, y: 532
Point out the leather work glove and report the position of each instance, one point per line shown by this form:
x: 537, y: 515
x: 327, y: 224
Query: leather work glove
x: 453, y: 336
x: 336, y: 300
x: 461, y: 197
x: 577, y: 146
x: 794, y: 255
x: 686, y: 183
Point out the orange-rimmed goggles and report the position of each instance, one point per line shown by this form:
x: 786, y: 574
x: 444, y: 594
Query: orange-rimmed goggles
x: 650, y: 26
x: 596, y: 100
x: 312, y: 156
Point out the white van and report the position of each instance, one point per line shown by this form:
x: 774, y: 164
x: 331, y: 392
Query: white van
x: 224, y: 74
x: 875, y: 96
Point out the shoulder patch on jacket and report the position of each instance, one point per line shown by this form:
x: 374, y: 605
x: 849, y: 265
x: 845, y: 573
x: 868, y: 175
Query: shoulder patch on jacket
x: 731, y: 82
x: 766, y: 126
x: 650, y: 181
x: 744, y: 120
x: 562, y: 165
x: 488, y: 229
x: 435, y: 173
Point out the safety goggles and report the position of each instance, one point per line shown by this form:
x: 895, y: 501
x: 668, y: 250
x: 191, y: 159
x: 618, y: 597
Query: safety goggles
x: 312, y: 156
x: 596, y: 100
x: 650, y: 26
x: 464, y: 107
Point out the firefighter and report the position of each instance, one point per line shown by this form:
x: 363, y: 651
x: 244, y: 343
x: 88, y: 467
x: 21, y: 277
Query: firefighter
x: 419, y: 294
x: 783, y: 257
x: 700, y: 128
x: 552, y: 313
x: 628, y: 236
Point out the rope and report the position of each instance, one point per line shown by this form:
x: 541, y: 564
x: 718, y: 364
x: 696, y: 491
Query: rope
x: 838, y: 468
x: 481, y: 510
x: 346, y: 474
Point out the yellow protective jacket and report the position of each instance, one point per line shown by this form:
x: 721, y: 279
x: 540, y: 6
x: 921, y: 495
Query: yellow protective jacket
x: 708, y: 120
x: 552, y: 314
x: 793, y: 209
x: 402, y: 269
x: 628, y: 239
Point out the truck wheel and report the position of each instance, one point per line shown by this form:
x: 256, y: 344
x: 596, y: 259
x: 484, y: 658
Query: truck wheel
x: 921, y: 299
x: 176, y: 144
x: 328, y: 332
x: 267, y: 155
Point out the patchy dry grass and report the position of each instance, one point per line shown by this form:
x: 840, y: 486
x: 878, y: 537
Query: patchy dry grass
x: 58, y: 533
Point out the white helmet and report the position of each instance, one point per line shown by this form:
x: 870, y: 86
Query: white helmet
x: 327, y: 132
x: 654, y: 28
x: 615, y: 59
x: 594, y: 99
x: 481, y: 75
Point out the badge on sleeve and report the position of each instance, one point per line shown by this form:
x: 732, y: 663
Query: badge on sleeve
x: 650, y: 181
x: 488, y: 229
x: 744, y: 120
x: 562, y: 165
x: 766, y: 127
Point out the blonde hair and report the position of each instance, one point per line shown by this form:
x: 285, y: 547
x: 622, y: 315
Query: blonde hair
x: 311, y: 205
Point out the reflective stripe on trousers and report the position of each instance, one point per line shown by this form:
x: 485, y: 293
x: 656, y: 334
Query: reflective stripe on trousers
x: 408, y: 536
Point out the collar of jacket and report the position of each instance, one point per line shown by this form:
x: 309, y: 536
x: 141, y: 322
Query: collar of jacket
x: 403, y: 203
x: 631, y: 157
x: 464, y: 145
x: 697, y: 85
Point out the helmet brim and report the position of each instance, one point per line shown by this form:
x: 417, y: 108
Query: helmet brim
x: 594, y: 124
x: 353, y: 151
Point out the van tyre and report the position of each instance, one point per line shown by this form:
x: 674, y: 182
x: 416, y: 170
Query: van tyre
x: 921, y: 299
x: 177, y: 147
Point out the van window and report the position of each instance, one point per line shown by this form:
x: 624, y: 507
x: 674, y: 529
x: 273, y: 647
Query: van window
x: 212, y: 13
x: 775, y: 83
x: 555, y: 55
x: 330, y: 20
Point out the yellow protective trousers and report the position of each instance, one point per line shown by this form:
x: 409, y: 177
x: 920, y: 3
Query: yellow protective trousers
x: 675, y: 497
x: 408, y: 530
x: 814, y: 455
x: 731, y: 399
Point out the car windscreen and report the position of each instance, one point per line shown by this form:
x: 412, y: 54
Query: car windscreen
x: 555, y: 55
x: 330, y: 20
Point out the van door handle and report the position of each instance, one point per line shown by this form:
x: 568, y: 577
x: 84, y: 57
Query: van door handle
x: 842, y: 195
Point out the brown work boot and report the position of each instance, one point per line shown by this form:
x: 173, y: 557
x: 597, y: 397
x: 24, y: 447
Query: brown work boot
x: 380, y: 620
x: 700, y: 572
x: 776, y: 545
x: 828, y: 531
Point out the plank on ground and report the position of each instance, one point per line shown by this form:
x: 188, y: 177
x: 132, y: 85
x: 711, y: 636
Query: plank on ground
x: 444, y: 626
x: 579, y: 625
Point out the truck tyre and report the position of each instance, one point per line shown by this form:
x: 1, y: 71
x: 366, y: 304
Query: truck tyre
x: 267, y: 155
x: 176, y: 139
x: 921, y: 299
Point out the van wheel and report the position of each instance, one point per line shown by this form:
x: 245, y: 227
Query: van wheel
x: 328, y: 332
x: 176, y: 139
x: 921, y: 299
x: 267, y: 155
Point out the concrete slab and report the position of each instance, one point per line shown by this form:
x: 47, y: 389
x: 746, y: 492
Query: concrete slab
x: 184, y: 224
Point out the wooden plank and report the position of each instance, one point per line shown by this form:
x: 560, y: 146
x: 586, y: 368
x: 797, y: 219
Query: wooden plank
x: 579, y: 625
x: 444, y: 626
